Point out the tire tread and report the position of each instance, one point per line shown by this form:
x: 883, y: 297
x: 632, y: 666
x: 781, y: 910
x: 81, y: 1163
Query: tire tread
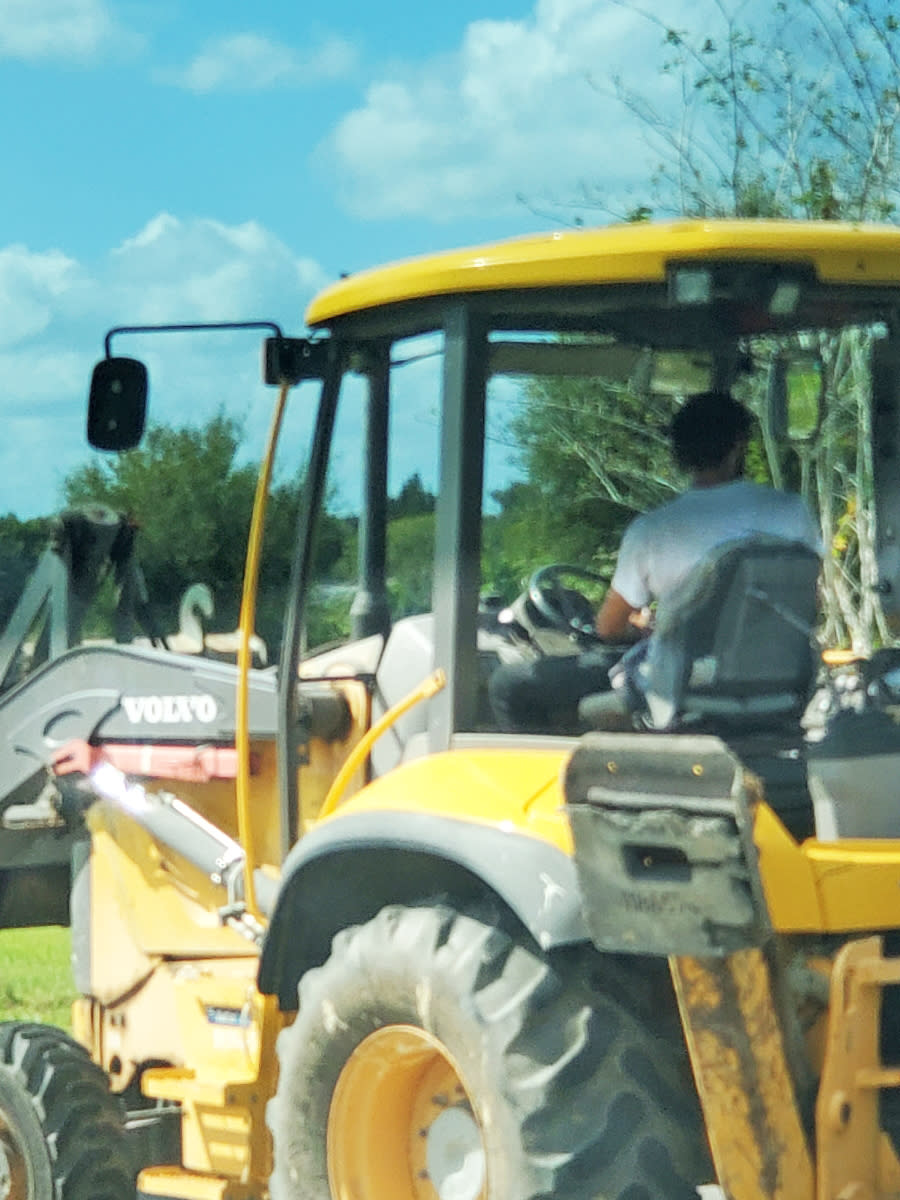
x: 602, y: 1100
x: 82, y: 1122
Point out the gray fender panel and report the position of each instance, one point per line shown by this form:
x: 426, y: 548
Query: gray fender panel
x: 343, y: 872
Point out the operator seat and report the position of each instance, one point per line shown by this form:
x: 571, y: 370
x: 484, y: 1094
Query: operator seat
x: 732, y: 648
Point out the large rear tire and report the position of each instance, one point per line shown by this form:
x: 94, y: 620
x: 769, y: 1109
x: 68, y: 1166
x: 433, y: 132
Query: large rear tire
x: 83, y: 1148
x: 434, y: 1057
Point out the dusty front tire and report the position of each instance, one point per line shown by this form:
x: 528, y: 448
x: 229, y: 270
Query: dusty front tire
x: 75, y: 1131
x: 434, y: 1057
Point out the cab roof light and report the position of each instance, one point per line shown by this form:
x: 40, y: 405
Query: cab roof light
x: 784, y: 298
x: 690, y: 286
x: 772, y: 288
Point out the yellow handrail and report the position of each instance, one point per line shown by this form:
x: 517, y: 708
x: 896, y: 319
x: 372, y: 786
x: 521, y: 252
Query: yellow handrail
x: 247, y: 629
x: 429, y: 687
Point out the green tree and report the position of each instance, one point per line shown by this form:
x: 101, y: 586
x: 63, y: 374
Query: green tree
x: 786, y: 108
x: 191, y: 502
x: 410, y: 550
x: 531, y: 530
x: 413, y: 499
x: 21, y: 545
x: 192, y: 499
x: 600, y: 453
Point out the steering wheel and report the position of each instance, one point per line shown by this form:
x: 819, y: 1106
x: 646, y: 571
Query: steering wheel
x: 559, y: 606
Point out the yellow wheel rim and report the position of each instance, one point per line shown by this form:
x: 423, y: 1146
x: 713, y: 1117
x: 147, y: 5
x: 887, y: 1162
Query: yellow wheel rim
x: 401, y: 1124
x: 14, y: 1174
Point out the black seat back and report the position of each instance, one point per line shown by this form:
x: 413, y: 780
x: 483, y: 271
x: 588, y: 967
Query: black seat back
x: 733, y: 644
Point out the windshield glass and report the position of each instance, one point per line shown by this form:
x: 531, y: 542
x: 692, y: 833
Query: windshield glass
x: 578, y: 445
x: 412, y: 428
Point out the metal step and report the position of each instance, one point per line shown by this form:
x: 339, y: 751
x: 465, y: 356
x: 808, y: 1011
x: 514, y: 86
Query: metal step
x: 182, y: 1084
x: 175, y: 1183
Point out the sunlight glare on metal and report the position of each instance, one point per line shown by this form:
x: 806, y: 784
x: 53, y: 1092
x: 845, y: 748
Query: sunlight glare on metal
x: 110, y: 783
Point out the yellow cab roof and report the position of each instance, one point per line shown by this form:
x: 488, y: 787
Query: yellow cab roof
x: 840, y: 252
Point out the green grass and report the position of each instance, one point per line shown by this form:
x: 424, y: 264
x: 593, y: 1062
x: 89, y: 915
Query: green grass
x: 36, y: 976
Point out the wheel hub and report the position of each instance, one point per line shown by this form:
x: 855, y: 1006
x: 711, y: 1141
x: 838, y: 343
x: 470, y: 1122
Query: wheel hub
x: 455, y: 1155
x: 401, y: 1123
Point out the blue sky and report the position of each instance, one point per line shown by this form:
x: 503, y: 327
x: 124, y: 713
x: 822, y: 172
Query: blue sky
x: 181, y: 161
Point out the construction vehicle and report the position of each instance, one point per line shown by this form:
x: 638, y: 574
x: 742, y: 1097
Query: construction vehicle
x: 419, y: 958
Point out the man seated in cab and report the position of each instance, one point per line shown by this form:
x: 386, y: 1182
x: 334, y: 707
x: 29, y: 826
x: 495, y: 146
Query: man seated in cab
x: 709, y: 437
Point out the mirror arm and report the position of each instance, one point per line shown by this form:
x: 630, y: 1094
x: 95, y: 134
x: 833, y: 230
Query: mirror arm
x: 189, y: 328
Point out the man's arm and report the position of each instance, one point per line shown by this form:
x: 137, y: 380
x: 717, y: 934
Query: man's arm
x: 619, y: 621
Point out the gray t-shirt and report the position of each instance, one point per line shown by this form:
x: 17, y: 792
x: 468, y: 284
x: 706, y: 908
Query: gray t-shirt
x: 662, y: 546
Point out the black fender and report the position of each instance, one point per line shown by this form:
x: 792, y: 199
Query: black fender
x: 344, y: 871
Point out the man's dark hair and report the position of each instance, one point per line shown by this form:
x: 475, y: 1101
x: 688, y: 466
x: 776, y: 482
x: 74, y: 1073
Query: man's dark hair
x: 707, y: 428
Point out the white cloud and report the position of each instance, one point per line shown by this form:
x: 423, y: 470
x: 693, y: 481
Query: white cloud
x: 246, y: 62
x: 31, y: 286
x: 57, y: 29
x: 55, y: 311
x: 204, y: 270
x: 522, y: 107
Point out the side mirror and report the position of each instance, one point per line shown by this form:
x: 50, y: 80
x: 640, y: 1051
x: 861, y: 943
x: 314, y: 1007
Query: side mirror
x: 117, y: 405
x: 796, y: 389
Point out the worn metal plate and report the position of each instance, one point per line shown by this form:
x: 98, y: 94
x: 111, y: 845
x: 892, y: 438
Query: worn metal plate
x: 663, y: 845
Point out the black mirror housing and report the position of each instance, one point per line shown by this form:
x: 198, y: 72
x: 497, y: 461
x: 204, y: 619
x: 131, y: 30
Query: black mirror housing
x: 117, y: 405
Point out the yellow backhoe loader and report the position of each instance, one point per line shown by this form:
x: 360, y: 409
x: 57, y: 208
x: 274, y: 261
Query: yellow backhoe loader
x: 404, y: 955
